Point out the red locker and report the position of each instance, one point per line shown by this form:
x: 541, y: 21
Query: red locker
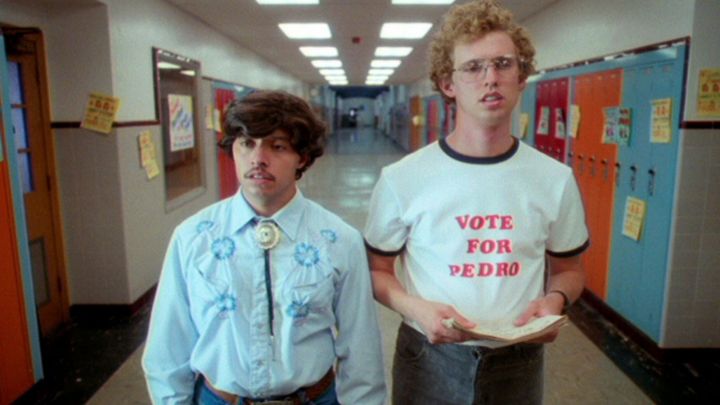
x: 226, y: 168
x: 551, y: 116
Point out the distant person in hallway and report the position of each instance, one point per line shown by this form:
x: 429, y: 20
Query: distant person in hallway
x: 463, y: 228
x: 262, y: 293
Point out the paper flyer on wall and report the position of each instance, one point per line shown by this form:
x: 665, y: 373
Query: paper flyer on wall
x: 182, y: 128
x: 100, y: 113
x: 544, y: 121
x: 574, y: 121
x: 708, y: 102
x: 147, y: 155
x: 634, y: 218
x: 661, y: 131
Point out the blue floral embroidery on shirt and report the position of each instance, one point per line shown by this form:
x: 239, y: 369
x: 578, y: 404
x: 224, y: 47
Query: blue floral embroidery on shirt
x: 204, y: 226
x: 306, y: 254
x: 299, y: 309
x: 329, y: 234
x: 223, y: 248
x: 226, y: 303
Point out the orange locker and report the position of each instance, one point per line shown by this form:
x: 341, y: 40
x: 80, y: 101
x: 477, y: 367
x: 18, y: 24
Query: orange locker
x: 417, y: 127
x: 594, y: 164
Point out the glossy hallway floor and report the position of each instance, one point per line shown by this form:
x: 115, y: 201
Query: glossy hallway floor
x: 577, y: 370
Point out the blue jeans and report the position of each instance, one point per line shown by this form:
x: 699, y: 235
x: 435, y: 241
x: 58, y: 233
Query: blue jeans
x: 204, y: 396
x: 425, y: 373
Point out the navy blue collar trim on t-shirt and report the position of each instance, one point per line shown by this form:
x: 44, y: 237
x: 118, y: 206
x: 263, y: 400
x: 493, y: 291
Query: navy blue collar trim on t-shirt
x: 479, y: 160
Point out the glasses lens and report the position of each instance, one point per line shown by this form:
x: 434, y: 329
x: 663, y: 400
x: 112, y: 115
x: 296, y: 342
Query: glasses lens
x: 476, y: 70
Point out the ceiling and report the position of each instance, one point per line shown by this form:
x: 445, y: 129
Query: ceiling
x: 255, y: 27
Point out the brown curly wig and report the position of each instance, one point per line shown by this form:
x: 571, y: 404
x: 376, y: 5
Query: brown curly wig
x: 261, y: 113
x: 468, y: 22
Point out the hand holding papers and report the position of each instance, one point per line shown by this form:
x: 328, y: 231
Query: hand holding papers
x: 506, y: 332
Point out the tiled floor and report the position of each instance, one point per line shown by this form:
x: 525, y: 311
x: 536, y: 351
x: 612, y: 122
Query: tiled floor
x: 604, y: 368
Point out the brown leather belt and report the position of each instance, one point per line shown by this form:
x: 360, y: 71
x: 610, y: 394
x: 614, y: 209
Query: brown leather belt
x: 298, y: 397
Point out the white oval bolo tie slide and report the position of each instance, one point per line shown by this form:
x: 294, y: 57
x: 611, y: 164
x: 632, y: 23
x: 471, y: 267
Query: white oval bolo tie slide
x: 267, y: 234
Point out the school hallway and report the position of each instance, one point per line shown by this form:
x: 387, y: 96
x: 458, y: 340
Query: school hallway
x: 590, y: 363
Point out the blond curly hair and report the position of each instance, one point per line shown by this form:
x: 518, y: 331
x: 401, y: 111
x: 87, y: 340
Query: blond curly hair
x: 471, y: 21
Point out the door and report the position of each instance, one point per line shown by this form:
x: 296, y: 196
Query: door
x: 35, y: 156
x: 16, y: 373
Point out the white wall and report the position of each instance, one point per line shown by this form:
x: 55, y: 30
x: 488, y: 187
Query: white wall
x: 575, y: 30
x: 78, y: 50
x: 704, y: 52
x: 138, y: 25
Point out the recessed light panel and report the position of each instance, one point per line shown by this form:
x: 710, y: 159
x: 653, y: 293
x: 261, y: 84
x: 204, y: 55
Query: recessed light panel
x: 327, y: 63
x: 393, y: 51
x: 326, y: 72
x: 385, y: 63
x: 384, y: 72
x: 404, y: 30
x: 306, y: 30
x: 319, y: 51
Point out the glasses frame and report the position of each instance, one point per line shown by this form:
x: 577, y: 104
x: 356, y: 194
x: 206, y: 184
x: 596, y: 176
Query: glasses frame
x: 467, y: 75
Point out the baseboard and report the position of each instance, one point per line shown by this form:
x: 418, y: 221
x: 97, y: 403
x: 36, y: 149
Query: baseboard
x: 659, y: 354
x: 103, y: 312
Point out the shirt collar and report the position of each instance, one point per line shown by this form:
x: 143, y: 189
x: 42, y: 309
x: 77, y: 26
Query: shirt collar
x: 287, y: 218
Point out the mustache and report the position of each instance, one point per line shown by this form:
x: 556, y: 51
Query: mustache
x: 258, y: 172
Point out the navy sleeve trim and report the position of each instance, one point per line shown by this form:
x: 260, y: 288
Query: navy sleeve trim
x: 379, y: 252
x: 571, y: 253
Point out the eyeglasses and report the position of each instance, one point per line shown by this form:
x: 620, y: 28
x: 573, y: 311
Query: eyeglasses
x: 476, y: 69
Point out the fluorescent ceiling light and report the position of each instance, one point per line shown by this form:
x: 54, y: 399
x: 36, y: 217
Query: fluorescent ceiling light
x: 404, y: 30
x: 377, y: 78
x: 306, y: 30
x: 319, y: 51
x: 327, y: 63
x: 188, y: 72
x: 421, y: 1
x: 374, y: 83
x: 385, y: 63
x: 338, y: 83
x: 387, y: 72
x: 393, y: 51
x: 326, y: 72
x: 167, y: 65
x: 336, y: 77
x: 288, y: 1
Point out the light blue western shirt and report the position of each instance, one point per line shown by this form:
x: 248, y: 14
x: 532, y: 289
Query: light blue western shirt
x: 211, y: 317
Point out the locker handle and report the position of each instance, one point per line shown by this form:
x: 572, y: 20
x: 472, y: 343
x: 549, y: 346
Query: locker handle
x: 591, y: 159
x: 651, y: 182
x: 606, y: 172
x: 581, y: 165
x: 633, y: 170
x: 617, y: 173
x: 570, y: 159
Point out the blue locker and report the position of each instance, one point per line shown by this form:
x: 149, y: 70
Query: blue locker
x: 639, y: 269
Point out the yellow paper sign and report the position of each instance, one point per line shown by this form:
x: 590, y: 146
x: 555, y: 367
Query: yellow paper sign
x: 661, y: 125
x: 100, y: 113
x: 574, y: 120
x: 524, y: 122
x: 634, y: 218
x: 147, y: 154
x: 708, y: 103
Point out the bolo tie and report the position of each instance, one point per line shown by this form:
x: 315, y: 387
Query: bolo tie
x: 267, y: 236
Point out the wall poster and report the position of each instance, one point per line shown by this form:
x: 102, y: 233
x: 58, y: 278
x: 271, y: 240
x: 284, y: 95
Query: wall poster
x: 182, y: 128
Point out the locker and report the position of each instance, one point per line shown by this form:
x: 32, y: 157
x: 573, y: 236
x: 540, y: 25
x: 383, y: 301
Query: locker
x: 647, y: 171
x: 552, y: 100
x: 434, y: 119
x: 593, y: 163
x: 527, y: 106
